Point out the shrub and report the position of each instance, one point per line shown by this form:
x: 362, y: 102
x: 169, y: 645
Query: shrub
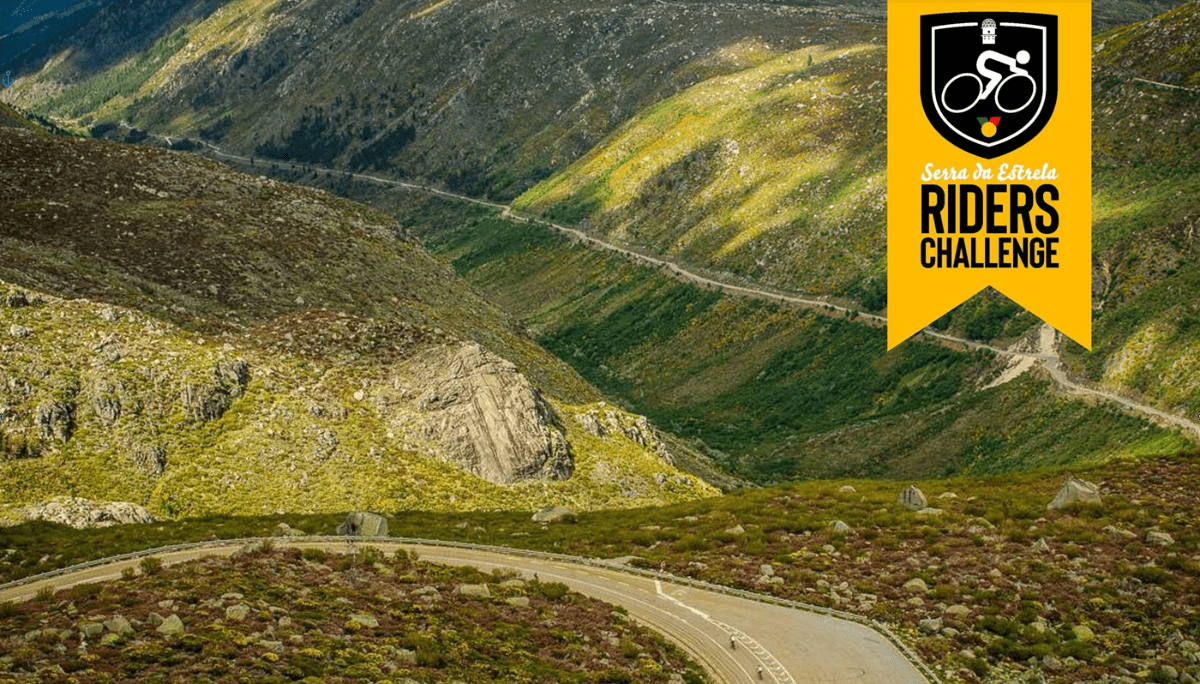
x: 150, y: 565
x: 315, y: 555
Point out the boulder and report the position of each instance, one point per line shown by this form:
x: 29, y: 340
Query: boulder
x: 554, y: 514
x: 916, y: 585
x: 847, y: 489
x: 913, y: 499
x: 238, y: 612
x: 363, y: 524
x: 477, y: 590
x: 488, y: 418
x: 1075, y: 490
x: 840, y: 527
x: 172, y: 625
x: 361, y: 620
x: 118, y: 625
x: 736, y: 529
x: 286, y: 530
x: 930, y: 625
x: 1160, y: 538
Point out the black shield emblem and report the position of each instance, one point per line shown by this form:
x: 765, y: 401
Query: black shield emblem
x: 989, y: 80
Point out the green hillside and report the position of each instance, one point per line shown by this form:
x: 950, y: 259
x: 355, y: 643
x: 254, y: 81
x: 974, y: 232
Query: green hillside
x: 1147, y: 207
x: 196, y: 340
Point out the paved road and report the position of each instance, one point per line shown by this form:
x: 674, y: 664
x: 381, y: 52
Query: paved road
x: 792, y: 646
x: 1048, y: 359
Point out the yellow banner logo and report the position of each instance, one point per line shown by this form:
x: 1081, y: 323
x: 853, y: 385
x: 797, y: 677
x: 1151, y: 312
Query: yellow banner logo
x: 989, y: 160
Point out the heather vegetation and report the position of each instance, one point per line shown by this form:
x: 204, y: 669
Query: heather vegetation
x: 285, y: 616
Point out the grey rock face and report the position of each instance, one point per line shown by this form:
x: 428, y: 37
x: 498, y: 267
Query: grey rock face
x: 1075, y: 490
x: 362, y: 524
x: 913, y: 499
x: 286, y: 530
x: 83, y: 513
x: 490, y: 420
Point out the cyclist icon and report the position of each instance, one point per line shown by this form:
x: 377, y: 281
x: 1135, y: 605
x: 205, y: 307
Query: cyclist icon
x: 995, y: 81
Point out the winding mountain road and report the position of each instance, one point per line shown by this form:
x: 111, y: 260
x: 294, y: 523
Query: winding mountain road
x: 1046, y: 356
x: 791, y: 646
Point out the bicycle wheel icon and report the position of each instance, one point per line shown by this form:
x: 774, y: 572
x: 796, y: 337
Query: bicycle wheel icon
x: 962, y: 93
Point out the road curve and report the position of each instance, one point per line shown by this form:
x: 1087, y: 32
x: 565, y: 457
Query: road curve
x: 1050, y: 361
x: 791, y: 646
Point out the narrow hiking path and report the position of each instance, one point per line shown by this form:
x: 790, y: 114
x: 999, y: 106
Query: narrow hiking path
x: 1046, y: 353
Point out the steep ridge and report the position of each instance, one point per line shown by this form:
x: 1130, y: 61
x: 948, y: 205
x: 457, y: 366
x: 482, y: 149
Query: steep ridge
x: 196, y: 340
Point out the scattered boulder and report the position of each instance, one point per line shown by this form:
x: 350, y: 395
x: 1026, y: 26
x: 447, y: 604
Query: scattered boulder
x: 1041, y: 546
x: 1083, y: 633
x: 286, y: 530
x: 930, y: 511
x: 766, y: 571
x: 736, y: 529
x: 958, y: 610
x: 847, y: 489
x: 1117, y: 534
x: 930, y: 625
x: 363, y: 524
x: 1075, y: 490
x: 518, y: 601
x: 840, y: 527
x: 477, y: 590
x: 117, y: 624
x: 172, y: 625
x: 555, y: 514
x: 916, y: 585
x: 913, y: 499
x: 91, y: 629
x: 238, y: 612
x: 1159, y: 538
x: 361, y: 620
x: 19, y: 331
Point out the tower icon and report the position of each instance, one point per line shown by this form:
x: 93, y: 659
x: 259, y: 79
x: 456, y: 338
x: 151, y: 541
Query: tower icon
x: 989, y: 32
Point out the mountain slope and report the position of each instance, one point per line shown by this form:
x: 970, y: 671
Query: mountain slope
x: 1146, y: 90
x: 483, y: 96
x: 197, y: 340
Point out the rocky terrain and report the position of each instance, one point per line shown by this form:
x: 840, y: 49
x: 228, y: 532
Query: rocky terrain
x: 286, y: 616
x: 193, y: 340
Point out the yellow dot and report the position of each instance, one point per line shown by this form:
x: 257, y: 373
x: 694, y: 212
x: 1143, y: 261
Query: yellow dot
x: 989, y: 129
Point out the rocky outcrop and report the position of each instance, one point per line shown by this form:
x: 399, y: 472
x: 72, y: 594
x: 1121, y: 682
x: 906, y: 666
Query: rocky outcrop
x: 488, y: 418
x: 635, y: 428
x: 83, y: 513
x: 210, y: 398
x: 56, y: 420
x: 362, y: 524
x: 1075, y: 490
